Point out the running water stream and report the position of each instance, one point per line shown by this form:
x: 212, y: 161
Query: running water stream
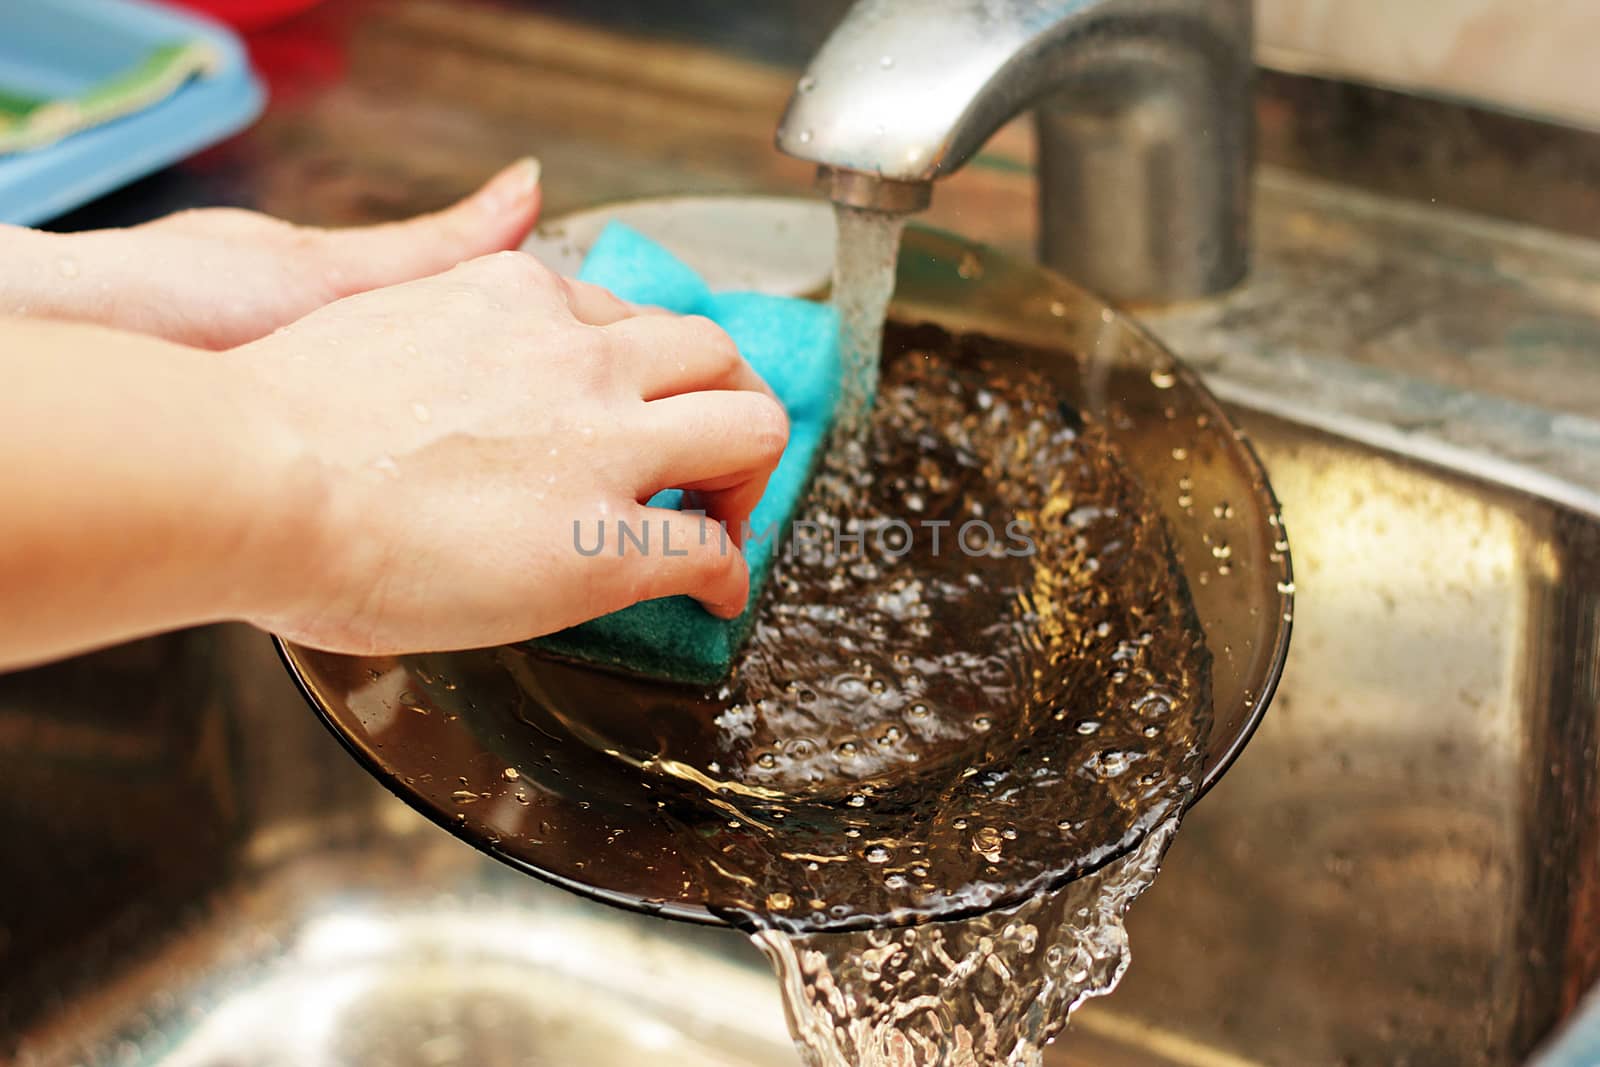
x: 868, y: 250
x: 985, y: 991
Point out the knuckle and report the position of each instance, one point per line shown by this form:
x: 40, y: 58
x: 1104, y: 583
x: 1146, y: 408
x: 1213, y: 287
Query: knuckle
x: 768, y: 425
x: 588, y: 291
x: 715, y: 342
x: 705, y: 563
x: 513, y: 268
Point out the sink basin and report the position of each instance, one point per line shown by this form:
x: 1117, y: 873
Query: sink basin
x: 198, y: 876
x: 1403, y: 868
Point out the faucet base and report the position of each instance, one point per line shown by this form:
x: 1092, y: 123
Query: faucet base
x: 1144, y: 172
x: 855, y: 188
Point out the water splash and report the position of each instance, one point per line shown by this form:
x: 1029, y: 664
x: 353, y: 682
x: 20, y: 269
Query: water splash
x: 989, y: 991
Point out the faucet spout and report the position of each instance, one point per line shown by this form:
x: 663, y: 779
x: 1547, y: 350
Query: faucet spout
x: 1143, y: 112
x: 873, y: 192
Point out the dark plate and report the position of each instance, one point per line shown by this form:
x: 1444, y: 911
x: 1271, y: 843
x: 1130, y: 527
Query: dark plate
x: 479, y: 741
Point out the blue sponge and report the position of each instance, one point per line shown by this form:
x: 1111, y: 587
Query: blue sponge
x: 794, y: 345
x: 639, y: 270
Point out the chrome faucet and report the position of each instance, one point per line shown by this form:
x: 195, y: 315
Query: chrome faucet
x: 1143, y: 111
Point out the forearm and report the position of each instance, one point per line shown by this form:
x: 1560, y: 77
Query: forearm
x: 98, y: 277
x: 138, y: 490
x: 26, y: 287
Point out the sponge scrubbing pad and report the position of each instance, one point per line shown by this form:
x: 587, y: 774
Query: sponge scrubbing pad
x: 794, y: 345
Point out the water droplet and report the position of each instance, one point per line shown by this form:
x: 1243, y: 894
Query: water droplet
x: 876, y: 854
x: 986, y: 843
x: 805, y: 136
x: 857, y: 801
x: 510, y: 774
x: 1180, y: 453
x: 1286, y: 588
x: 1163, y: 378
x: 1110, y: 764
x: 1089, y: 726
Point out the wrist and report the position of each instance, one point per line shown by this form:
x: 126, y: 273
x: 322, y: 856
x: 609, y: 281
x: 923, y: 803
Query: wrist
x: 282, y: 503
x: 158, y: 507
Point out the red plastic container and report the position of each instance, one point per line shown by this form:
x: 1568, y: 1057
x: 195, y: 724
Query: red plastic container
x: 248, y: 14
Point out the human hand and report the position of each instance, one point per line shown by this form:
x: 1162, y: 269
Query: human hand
x: 440, y: 442
x: 221, y: 277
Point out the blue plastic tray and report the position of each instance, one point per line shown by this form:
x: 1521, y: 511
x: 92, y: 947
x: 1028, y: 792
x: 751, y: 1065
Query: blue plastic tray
x: 59, y: 46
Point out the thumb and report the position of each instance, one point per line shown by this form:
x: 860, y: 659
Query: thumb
x: 496, y: 217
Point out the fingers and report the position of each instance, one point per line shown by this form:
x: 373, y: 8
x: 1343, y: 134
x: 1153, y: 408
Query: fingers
x: 688, y: 555
x: 495, y: 218
x: 674, y: 355
x: 721, y: 445
x: 596, y: 306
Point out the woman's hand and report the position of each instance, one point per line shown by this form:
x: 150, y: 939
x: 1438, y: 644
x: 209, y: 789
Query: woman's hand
x: 368, y: 466
x: 445, y: 445
x: 220, y: 277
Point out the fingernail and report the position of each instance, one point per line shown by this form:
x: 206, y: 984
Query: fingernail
x: 513, y: 187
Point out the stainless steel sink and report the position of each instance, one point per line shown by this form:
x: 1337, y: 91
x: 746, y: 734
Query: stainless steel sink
x: 1404, y: 867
